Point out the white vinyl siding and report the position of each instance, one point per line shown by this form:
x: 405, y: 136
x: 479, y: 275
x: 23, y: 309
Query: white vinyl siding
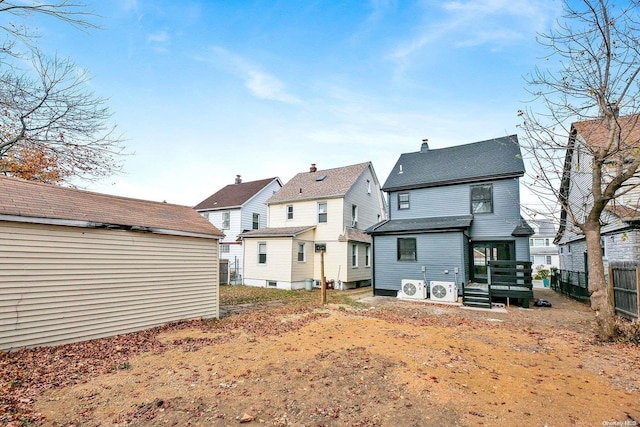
x: 66, y: 284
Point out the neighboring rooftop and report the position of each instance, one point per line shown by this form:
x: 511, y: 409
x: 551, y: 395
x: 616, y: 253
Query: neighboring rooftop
x: 29, y: 201
x: 317, y: 184
x: 594, y: 132
x: 278, y: 231
x: 478, y: 161
x: 233, y: 195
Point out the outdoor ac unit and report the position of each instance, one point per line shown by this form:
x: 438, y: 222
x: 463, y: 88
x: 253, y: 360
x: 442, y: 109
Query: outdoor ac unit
x: 413, y: 289
x: 444, y: 291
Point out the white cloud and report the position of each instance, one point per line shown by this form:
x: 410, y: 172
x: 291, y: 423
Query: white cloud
x: 478, y: 22
x: 158, y: 37
x: 259, y: 83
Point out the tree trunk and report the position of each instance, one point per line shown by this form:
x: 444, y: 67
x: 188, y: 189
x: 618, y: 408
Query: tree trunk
x: 600, y: 303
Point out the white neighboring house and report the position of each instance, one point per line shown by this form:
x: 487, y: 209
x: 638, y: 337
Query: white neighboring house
x: 317, y: 211
x: 620, y: 220
x: 236, y: 208
x: 543, y: 250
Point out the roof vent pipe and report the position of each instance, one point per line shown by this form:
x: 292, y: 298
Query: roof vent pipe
x: 425, y: 146
x: 238, y: 179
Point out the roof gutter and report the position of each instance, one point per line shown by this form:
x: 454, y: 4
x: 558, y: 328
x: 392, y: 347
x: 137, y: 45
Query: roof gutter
x: 454, y: 181
x: 98, y: 225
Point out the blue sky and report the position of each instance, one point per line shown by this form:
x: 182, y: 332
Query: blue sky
x: 205, y: 90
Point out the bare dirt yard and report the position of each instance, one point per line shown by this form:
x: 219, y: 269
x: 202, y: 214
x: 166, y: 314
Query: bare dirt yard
x: 281, y: 358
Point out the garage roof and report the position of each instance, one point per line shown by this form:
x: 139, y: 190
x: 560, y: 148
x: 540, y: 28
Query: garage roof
x: 27, y: 201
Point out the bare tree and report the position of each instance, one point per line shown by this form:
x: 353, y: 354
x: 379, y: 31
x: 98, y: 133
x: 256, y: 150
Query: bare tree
x: 586, y: 101
x: 45, y: 107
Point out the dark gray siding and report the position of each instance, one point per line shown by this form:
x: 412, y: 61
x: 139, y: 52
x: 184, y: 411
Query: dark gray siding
x: 437, y: 252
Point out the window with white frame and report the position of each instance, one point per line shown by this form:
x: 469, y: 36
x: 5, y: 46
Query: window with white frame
x: 322, y: 212
x: 289, y: 211
x: 262, y: 253
x: 354, y: 255
x: 367, y: 256
x: 224, y: 248
x: 539, y: 242
x: 354, y: 216
x: 205, y: 214
x: 255, y: 221
x: 226, y: 219
x: 302, y: 254
x: 368, y: 187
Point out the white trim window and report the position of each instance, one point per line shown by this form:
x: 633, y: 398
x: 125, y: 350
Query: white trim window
x: 302, y: 253
x: 322, y: 212
x: 226, y: 220
x: 255, y: 223
x: 262, y: 253
x: 367, y: 256
x: 289, y: 211
x: 354, y: 255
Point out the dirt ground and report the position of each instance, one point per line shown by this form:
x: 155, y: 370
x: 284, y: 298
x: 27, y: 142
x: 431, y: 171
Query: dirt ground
x: 383, y: 362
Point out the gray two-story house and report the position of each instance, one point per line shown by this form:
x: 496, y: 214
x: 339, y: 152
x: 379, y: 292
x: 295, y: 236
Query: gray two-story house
x: 451, y: 211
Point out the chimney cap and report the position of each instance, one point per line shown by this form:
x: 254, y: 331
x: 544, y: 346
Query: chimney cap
x: 425, y: 145
x: 238, y: 179
x: 313, y: 168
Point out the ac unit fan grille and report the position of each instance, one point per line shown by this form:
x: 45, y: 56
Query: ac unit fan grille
x: 409, y: 289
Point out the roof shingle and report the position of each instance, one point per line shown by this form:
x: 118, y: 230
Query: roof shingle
x: 233, y: 195
x: 484, y: 160
x: 311, y: 185
x: 38, y: 201
x: 594, y: 132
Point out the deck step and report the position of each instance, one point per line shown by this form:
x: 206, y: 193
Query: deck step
x: 476, y: 297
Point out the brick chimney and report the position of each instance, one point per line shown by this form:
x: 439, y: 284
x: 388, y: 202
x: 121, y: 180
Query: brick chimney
x: 238, y: 179
x: 313, y: 168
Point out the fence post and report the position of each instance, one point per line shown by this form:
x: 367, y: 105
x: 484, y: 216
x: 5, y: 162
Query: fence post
x: 612, y: 295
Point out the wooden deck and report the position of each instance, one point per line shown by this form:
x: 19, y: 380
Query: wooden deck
x: 507, y: 279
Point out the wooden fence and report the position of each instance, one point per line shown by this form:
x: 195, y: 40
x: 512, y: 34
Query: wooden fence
x: 624, y: 277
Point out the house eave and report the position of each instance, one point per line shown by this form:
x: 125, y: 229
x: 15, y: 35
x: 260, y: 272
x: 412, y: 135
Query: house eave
x: 102, y: 225
x: 454, y: 182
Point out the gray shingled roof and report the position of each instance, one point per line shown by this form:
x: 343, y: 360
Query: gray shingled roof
x: 422, y: 225
x: 233, y: 195
x: 478, y: 161
x: 29, y: 201
x: 309, y: 186
x: 278, y: 231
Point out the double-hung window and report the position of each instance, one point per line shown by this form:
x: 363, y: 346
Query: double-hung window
x: 302, y: 257
x: 367, y: 256
x: 322, y: 212
x: 262, y: 253
x: 403, y: 200
x: 256, y: 221
x: 226, y: 220
x: 407, y: 249
x: 354, y: 255
x: 482, y: 198
x: 289, y: 211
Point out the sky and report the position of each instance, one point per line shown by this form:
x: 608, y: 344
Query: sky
x: 203, y: 91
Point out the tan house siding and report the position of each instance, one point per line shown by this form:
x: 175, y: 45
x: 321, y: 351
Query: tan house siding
x: 62, y: 284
